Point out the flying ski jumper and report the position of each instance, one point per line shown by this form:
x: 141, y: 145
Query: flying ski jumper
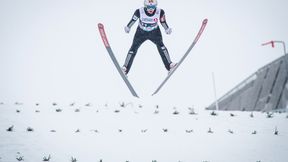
x: 148, y: 29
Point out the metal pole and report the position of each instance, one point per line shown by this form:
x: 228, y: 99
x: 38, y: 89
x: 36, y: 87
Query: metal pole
x: 284, y: 47
x: 215, y: 94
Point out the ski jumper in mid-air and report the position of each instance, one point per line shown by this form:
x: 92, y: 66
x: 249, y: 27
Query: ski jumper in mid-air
x: 148, y: 29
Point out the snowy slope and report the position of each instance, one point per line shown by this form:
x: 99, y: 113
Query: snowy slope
x: 135, y: 132
x: 52, y: 51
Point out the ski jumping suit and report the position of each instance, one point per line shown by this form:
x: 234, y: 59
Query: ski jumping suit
x: 148, y: 29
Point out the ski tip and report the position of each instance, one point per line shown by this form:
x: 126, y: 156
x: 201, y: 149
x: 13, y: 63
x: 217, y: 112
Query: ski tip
x: 205, y: 21
x: 100, y: 25
x: 135, y: 95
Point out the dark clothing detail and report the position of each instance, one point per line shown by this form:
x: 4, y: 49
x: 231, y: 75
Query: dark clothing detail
x: 141, y: 36
x: 137, y: 15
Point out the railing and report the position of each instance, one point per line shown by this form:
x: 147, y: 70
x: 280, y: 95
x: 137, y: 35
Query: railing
x: 248, y: 80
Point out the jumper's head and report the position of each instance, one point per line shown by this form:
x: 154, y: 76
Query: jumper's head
x: 150, y: 5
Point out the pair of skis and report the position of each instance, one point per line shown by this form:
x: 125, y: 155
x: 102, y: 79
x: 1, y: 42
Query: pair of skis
x: 114, y: 60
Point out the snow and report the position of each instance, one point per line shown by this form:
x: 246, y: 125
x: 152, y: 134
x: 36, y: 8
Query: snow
x: 51, y: 52
x: 99, y: 136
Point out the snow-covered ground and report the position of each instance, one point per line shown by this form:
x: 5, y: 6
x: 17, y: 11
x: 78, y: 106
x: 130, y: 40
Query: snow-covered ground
x: 51, y: 50
x: 137, y: 132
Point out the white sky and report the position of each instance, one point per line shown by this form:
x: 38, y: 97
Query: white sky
x: 51, y: 51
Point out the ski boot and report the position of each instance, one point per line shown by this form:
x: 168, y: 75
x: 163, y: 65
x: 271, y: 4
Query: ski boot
x: 172, y: 67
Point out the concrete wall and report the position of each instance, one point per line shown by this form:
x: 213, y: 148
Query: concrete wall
x: 265, y: 90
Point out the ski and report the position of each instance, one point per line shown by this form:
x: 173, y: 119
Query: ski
x: 184, y: 56
x: 114, y: 60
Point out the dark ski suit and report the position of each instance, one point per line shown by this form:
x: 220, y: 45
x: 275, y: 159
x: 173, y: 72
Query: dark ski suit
x: 153, y: 35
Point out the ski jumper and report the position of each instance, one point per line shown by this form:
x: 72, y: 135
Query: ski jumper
x: 148, y: 29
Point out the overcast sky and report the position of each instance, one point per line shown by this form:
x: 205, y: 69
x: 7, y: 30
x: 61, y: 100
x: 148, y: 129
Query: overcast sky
x: 51, y: 50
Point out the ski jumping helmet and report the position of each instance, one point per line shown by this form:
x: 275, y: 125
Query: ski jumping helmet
x: 150, y: 4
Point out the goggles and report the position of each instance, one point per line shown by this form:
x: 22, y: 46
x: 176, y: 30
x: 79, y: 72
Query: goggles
x: 151, y: 7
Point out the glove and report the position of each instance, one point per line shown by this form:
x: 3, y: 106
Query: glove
x: 127, y: 29
x: 168, y: 31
